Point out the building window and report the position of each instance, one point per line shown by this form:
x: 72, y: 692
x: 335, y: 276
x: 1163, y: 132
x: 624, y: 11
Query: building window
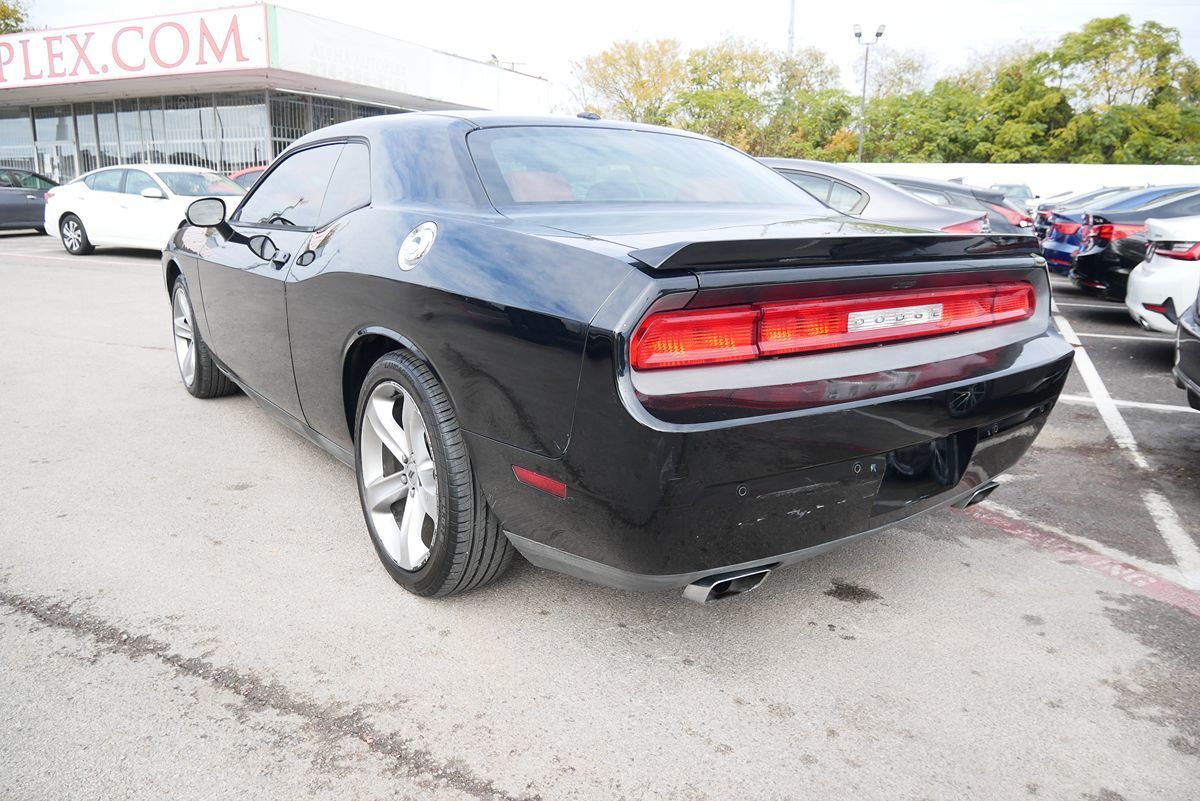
x: 16, y: 138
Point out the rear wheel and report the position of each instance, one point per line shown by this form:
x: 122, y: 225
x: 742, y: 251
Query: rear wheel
x: 74, y: 236
x: 421, y: 500
x: 200, y: 374
x: 1194, y: 400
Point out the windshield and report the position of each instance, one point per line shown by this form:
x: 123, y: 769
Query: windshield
x: 199, y: 184
x: 538, y: 165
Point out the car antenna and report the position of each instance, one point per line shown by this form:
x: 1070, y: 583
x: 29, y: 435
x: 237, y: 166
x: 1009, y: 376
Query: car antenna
x: 588, y: 115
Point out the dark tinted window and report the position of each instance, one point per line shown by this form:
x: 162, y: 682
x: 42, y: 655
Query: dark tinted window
x: 105, y: 181
x: 7, y: 178
x: 569, y: 164
x: 350, y: 186
x: 136, y: 181
x: 292, y: 193
x: 31, y: 180
x: 844, y: 198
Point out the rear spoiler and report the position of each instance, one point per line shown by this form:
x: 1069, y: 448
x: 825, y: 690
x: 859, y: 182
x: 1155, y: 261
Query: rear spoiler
x: 716, y: 255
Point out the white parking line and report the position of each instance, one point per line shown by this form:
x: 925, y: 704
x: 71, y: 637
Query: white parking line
x: 1183, y: 548
x: 1104, y: 402
x: 1129, y: 336
x: 1124, y: 404
x: 81, y: 261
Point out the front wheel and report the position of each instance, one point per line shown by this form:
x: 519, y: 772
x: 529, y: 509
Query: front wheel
x: 421, y: 500
x: 201, y: 376
x: 74, y: 236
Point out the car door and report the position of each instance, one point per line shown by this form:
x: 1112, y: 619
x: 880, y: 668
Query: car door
x: 35, y: 187
x: 12, y: 201
x: 99, y: 205
x: 243, y: 284
x: 146, y: 221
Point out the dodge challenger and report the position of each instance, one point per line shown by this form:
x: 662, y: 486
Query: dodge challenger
x: 631, y: 354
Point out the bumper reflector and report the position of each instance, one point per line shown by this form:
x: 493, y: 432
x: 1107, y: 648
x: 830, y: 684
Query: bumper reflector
x: 541, y: 482
x: 692, y: 337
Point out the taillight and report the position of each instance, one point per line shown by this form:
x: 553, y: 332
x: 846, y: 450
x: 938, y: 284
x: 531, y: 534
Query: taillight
x: 975, y: 226
x: 1188, y: 251
x: 1066, y: 229
x: 49, y: 193
x: 1013, y: 216
x: 1112, y: 231
x: 736, y: 334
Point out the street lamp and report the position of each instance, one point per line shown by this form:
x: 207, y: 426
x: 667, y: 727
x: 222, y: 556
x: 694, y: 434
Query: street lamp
x: 862, y: 114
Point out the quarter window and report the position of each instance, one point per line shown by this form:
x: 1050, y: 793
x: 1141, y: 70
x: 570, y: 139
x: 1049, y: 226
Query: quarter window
x: 817, y: 187
x: 291, y: 195
x: 844, y: 198
x: 350, y: 186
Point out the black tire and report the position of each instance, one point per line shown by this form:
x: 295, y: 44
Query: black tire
x: 1194, y: 400
x: 76, y: 247
x: 207, y: 379
x: 41, y: 231
x: 468, y: 547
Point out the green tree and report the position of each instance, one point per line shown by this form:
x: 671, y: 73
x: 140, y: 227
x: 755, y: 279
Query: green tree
x: 14, y: 16
x: 729, y: 92
x: 635, y: 81
x: 1022, y: 114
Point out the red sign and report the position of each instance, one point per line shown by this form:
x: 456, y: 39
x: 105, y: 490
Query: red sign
x: 204, y: 41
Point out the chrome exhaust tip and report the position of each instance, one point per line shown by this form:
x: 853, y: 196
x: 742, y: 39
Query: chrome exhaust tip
x: 724, y: 585
x: 980, y: 494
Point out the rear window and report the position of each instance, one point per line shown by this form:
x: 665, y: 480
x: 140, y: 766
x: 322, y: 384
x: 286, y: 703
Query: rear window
x: 540, y: 165
x: 199, y: 184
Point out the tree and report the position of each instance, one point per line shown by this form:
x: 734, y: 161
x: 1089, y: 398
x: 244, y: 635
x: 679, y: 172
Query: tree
x: 729, y: 91
x: 14, y: 16
x: 895, y: 72
x: 635, y: 81
x: 1022, y: 113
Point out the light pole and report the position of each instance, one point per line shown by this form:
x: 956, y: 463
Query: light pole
x: 862, y: 114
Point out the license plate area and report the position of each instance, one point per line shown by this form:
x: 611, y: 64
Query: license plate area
x: 922, y: 471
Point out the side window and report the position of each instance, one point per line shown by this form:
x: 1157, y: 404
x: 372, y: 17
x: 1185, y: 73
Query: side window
x: 936, y: 198
x: 136, y: 181
x: 105, y: 181
x: 817, y: 187
x: 844, y: 198
x: 32, y: 180
x: 350, y: 186
x: 292, y: 193
x: 6, y: 178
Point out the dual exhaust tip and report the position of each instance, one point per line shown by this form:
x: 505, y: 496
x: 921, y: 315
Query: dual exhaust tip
x: 737, y: 582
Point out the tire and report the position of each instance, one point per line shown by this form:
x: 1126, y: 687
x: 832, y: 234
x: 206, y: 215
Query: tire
x: 1194, y: 400
x: 74, y: 236
x: 41, y: 231
x: 464, y: 546
x: 205, y: 379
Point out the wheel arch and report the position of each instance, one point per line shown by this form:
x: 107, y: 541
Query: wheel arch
x: 362, y: 349
x: 171, y: 272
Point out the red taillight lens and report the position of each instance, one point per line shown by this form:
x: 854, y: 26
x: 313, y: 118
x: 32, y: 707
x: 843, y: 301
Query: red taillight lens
x: 1066, y: 229
x: 1187, y: 251
x: 48, y: 194
x: 1115, y: 230
x: 541, y: 482
x: 1013, y: 216
x: 712, y: 336
x: 975, y: 226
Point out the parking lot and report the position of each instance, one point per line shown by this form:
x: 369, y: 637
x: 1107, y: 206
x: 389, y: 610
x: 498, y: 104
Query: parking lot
x: 190, y: 607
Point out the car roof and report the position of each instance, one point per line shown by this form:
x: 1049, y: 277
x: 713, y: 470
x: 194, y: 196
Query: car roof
x: 827, y: 168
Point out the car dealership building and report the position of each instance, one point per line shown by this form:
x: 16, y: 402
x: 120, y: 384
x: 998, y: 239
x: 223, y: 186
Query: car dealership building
x: 222, y: 89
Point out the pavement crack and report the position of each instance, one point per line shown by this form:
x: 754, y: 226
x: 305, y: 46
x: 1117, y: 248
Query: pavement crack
x: 329, y: 721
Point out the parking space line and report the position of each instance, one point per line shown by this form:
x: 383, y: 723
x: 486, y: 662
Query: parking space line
x: 1145, y: 337
x: 77, y: 260
x: 1124, y: 404
x: 1183, y: 547
x: 1108, y: 410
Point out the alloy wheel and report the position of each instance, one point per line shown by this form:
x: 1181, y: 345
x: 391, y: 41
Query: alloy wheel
x: 72, y: 234
x: 399, y: 477
x: 185, y: 337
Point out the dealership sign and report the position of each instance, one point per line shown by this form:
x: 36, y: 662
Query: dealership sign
x: 204, y: 41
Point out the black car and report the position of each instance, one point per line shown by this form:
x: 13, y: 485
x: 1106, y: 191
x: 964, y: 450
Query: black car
x: 633, y: 354
x: 858, y: 194
x: 1115, y: 243
x: 1041, y: 216
x: 1003, y: 217
x: 1187, y: 354
x: 23, y: 199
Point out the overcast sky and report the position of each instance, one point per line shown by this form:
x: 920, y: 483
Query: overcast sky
x: 544, y: 36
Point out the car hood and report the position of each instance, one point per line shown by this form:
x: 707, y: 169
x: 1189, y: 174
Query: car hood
x: 756, y: 236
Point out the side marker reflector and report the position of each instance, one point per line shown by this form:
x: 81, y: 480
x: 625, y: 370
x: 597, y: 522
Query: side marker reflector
x: 540, y: 482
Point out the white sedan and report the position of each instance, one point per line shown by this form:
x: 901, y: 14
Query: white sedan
x: 1166, y: 283
x: 136, y: 206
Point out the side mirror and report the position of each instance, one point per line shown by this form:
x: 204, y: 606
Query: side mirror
x: 263, y: 247
x: 206, y: 212
x: 154, y: 193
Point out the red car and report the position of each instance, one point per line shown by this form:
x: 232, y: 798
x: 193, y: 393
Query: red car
x: 246, y: 178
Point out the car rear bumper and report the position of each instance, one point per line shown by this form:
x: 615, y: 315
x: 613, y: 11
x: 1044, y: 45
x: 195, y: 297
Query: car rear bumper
x: 652, y: 508
x: 1058, y: 254
x: 1161, y: 283
x: 1187, y: 351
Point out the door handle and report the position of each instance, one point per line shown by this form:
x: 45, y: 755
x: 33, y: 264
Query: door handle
x: 280, y: 259
x: 31, y: 197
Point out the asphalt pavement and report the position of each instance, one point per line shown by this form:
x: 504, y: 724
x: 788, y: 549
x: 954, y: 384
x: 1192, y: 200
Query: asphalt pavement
x: 190, y: 608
